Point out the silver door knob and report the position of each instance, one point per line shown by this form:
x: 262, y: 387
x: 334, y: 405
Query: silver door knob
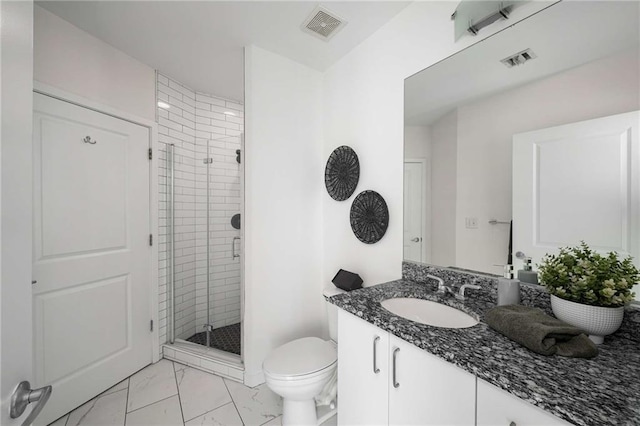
x: 24, y: 396
x: 416, y: 239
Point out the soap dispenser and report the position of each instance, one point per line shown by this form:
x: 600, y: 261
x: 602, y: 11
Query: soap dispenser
x: 508, y: 288
x: 527, y: 274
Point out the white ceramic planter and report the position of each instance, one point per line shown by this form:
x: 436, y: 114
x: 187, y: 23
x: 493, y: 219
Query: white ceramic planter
x: 597, y: 321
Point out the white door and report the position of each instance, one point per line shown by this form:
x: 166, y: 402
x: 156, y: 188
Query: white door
x: 16, y: 40
x: 363, y: 372
x: 426, y: 390
x: 579, y: 181
x: 415, y: 206
x: 91, y: 252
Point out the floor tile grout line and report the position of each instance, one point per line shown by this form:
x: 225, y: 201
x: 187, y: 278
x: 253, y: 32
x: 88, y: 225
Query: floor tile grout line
x: 155, y: 402
x: 151, y: 403
x: 68, y: 415
x: 233, y: 400
x: 183, y: 366
x: 126, y: 404
x: 209, y: 411
x: 270, y: 420
x: 175, y: 377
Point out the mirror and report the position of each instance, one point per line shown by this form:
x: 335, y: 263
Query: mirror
x: 580, y: 62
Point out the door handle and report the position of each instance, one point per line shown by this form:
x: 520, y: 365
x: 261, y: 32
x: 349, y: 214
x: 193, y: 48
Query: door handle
x: 233, y: 248
x: 395, y: 355
x: 416, y: 239
x: 23, y: 396
x: 376, y: 370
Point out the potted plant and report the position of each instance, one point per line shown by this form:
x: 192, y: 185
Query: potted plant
x: 589, y: 290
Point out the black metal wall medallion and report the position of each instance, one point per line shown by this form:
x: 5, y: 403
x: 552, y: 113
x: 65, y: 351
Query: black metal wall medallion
x: 369, y: 217
x: 342, y: 173
x: 235, y: 221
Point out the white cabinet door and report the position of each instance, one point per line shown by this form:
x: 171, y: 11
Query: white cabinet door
x: 91, y: 253
x: 497, y: 407
x: 428, y: 390
x: 363, y: 372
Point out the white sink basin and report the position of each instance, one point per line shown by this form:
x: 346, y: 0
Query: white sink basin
x: 428, y: 312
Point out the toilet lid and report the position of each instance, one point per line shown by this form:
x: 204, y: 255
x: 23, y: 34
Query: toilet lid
x: 299, y: 357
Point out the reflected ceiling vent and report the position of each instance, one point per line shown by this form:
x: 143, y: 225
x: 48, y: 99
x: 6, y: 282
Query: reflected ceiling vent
x: 519, y: 58
x: 323, y: 24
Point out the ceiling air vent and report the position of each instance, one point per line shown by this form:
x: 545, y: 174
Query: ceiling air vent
x: 323, y: 23
x: 519, y: 58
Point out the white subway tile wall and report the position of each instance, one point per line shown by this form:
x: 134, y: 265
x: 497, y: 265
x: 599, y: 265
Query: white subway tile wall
x: 200, y: 126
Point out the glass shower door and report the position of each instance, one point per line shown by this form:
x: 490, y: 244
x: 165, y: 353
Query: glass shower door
x: 202, y: 193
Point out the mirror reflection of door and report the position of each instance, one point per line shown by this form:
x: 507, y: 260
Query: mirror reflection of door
x: 463, y: 112
x: 416, y: 205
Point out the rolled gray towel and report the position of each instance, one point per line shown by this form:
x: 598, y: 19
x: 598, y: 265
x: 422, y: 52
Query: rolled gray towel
x: 539, y: 332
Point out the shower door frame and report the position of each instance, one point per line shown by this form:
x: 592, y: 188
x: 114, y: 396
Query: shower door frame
x: 170, y: 184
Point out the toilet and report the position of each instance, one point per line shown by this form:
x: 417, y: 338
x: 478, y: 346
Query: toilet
x: 305, y: 369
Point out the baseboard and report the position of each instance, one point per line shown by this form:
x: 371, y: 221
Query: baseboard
x: 253, y: 379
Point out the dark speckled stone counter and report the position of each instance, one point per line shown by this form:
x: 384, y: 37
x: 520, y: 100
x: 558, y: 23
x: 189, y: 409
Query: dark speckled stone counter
x: 602, y: 391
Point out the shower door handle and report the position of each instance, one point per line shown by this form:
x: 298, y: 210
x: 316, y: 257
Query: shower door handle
x: 233, y: 248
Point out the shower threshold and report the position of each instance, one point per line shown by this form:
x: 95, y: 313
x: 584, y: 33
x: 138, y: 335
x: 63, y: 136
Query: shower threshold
x: 211, y: 360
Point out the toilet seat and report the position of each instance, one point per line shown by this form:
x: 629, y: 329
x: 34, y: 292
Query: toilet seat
x: 300, y: 359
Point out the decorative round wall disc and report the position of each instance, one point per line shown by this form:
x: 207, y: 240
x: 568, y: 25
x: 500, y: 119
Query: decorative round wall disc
x: 369, y: 217
x: 235, y: 221
x: 342, y: 173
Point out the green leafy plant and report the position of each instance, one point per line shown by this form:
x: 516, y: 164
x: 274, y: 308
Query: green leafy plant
x: 581, y: 275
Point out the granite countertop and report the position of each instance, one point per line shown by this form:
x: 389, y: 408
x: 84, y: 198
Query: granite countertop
x: 604, y: 390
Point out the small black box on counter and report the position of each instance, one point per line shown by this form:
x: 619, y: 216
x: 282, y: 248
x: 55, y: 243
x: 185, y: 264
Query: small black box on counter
x: 347, y: 281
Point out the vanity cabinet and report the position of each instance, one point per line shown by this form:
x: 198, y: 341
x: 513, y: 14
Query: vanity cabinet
x: 363, y: 362
x: 497, y: 407
x: 423, y: 389
x: 430, y: 391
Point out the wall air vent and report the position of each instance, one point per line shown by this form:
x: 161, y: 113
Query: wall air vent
x: 323, y: 24
x: 519, y: 58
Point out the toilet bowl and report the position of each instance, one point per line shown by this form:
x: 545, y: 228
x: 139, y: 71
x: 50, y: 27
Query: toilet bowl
x: 304, y: 370
x: 298, y: 371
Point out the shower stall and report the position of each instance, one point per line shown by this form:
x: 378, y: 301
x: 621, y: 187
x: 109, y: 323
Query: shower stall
x: 201, y: 189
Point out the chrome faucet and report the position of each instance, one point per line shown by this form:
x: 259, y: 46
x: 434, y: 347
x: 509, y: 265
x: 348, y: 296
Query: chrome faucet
x: 460, y: 294
x: 442, y: 287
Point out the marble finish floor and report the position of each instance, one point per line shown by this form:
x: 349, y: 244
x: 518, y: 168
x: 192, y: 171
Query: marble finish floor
x: 168, y: 393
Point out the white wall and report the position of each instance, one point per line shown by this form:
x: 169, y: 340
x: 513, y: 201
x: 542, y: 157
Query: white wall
x: 444, y: 151
x: 70, y: 59
x: 417, y: 142
x: 485, y: 129
x: 363, y: 108
x: 283, y: 187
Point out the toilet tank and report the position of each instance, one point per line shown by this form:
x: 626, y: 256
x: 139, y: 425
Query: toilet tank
x: 332, y: 311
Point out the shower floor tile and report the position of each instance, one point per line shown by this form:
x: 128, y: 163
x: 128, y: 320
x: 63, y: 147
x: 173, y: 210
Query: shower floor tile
x: 225, y: 338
